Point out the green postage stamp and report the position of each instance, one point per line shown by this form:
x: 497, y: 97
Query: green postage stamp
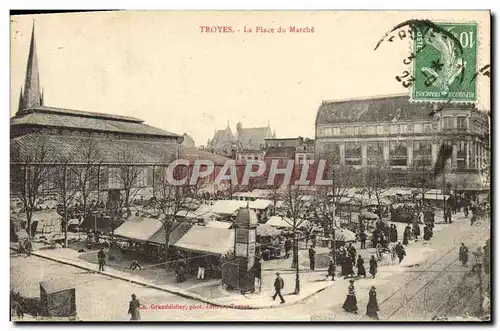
x: 445, y: 63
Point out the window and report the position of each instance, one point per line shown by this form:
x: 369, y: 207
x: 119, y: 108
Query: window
x: 353, y: 153
x: 374, y: 152
x: 336, y: 131
x: 320, y: 132
x: 114, y: 178
x: 418, y: 128
x: 394, y: 129
x: 328, y: 131
x: 357, y: 130
x: 422, y: 153
x: 461, y: 123
x: 349, y: 130
x: 380, y: 129
x: 371, y: 130
x: 332, y: 153
x: 403, y: 128
x: 398, y: 155
x: 461, y: 155
x: 448, y: 123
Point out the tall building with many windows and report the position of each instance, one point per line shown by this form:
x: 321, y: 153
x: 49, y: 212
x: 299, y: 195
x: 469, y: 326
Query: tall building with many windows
x: 404, y: 137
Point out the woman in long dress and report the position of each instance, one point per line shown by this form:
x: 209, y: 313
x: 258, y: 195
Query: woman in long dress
x: 134, y: 309
x: 351, y: 303
x: 373, y: 266
x: 372, y: 306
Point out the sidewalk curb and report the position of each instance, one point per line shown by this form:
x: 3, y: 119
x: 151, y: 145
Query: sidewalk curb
x: 178, y: 292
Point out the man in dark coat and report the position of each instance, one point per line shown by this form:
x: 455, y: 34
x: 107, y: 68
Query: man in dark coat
x: 416, y: 230
x: 362, y: 239
x: 348, y: 269
x: 312, y: 257
x: 463, y: 254
x: 373, y: 266
x: 361, y: 267
x: 351, y: 251
x: 400, y: 251
x: 101, y: 258
x: 279, y: 284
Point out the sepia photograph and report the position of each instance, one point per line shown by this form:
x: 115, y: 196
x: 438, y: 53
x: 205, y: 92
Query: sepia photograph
x: 254, y: 166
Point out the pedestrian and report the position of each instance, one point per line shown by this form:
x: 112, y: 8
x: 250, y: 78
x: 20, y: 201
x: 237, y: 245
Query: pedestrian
x: 400, y: 251
x: 351, y: 250
x: 288, y: 247
x: 473, y: 219
x: 312, y: 257
x: 348, y: 269
x: 279, y: 284
x: 101, y: 257
x: 372, y: 306
x: 331, y: 269
x: 373, y: 266
x: 463, y: 254
x: 362, y: 239
x: 427, y: 232
x: 466, y: 211
x: 351, y: 303
x: 407, y: 235
x: 201, y: 269
x: 134, y: 309
x: 361, y: 267
x: 134, y: 265
x: 416, y: 230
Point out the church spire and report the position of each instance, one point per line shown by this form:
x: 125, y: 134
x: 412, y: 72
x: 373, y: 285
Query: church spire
x: 32, y: 96
x: 20, y: 106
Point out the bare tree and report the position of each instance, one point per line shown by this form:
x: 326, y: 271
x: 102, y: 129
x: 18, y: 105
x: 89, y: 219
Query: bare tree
x: 421, y: 178
x: 89, y: 158
x: 377, y: 182
x: 296, y: 204
x: 30, y: 171
x: 65, y: 192
x: 172, y: 198
x: 129, y: 173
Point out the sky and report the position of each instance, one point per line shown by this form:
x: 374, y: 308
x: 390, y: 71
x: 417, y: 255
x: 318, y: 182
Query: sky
x: 159, y: 66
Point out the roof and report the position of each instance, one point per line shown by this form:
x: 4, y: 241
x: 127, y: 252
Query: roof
x: 288, y: 152
x: 227, y: 207
x: 204, y: 239
x: 44, y: 215
x: 218, y: 224
x: 377, y: 109
x: 180, y: 230
x: 70, y: 147
x: 57, y: 285
x: 222, y: 137
x: 260, y: 204
x: 139, y: 228
x: 280, y: 222
x: 253, y: 137
x: 79, y: 113
x: 192, y: 154
x: 74, y: 119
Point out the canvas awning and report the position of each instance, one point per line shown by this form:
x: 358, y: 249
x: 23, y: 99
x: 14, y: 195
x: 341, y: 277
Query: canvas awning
x: 202, y: 239
x: 260, y: 204
x: 227, y: 207
x: 218, y: 224
x: 180, y: 230
x: 139, y: 228
x: 283, y: 222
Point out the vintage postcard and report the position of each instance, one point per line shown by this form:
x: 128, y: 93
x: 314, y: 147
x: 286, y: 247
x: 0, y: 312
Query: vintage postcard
x: 250, y: 166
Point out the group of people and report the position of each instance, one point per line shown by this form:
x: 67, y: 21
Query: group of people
x: 351, y: 302
x: 346, y: 258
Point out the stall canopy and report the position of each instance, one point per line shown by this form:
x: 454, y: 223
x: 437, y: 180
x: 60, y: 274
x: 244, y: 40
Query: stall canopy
x: 179, y: 230
x: 202, y: 239
x: 369, y: 215
x: 266, y: 230
x: 227, y: 207
x: 344, y: 235
x: 260, y: 204
x: 218, y: 224
x: 284, y: 222
x: 139, y: 228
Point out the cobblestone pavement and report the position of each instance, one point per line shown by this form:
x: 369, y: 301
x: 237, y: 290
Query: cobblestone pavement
x: 426, y: 287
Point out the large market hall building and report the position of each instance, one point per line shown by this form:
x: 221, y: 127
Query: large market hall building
x: 404, y: 137
x: 80, y: 136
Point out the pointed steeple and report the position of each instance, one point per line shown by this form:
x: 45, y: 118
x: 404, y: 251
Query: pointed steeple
x: 274, y: 134
x: 32, y: 95
x: 20, y: 106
